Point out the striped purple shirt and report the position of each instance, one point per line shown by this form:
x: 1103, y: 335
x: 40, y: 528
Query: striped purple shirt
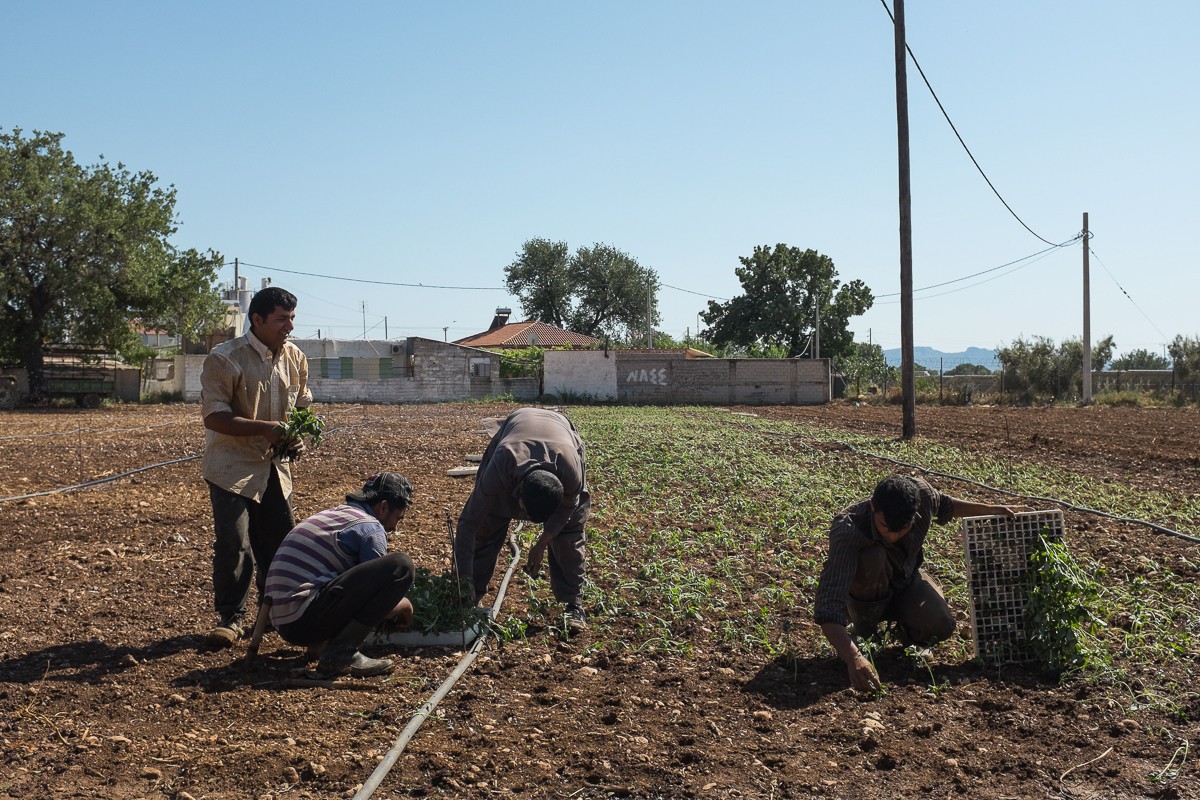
x: 315, y: 552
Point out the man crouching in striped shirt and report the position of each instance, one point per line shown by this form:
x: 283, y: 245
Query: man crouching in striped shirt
x: 332, y: 580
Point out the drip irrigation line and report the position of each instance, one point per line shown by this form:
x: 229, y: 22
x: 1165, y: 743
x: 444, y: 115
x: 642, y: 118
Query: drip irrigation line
x: 98, y: 481
x: 1084, y: 509
x: 1071, y: 506
x: 424, y: 712
x: 111, y: 478
x: 85, y: 430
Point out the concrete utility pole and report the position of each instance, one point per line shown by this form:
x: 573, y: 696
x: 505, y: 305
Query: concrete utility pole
x: 817, y: 329
x: 908, y: 382
x: 649, y: 315
x: 1087, y: 319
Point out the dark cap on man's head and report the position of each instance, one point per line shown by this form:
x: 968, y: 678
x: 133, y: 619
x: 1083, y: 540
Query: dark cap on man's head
x: 390, y: 486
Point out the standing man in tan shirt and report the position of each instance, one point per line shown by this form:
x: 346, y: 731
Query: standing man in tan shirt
x: 248, y: 387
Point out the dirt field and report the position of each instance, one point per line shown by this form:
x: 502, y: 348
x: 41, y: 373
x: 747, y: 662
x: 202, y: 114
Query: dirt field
x: 107, y: 690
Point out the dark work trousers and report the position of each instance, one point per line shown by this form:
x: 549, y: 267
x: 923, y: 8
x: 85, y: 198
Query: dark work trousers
x: 366, y: 593
x: 245, y: 533
x: 919, y: 610
x: 567, y: 554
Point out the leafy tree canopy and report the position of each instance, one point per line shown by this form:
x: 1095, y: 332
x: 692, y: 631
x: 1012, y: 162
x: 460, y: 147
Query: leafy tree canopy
x: 1139, y: 359
x: 1039, y: 368
x: 969, y: 369
x: 866, y: 362
x: 84, y: 255
x: 599, y: 291
x: 1185, y: 356
x: 782, y: 289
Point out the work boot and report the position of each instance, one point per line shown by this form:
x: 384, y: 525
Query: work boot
x: 341, y: 655
x: 575, y: 619
x: 228, y: 630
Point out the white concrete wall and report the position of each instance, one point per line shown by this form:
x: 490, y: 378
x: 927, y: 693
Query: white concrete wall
x: 581, y: 372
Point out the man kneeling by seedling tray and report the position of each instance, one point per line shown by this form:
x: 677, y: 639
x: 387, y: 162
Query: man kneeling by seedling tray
x: 332, y: 581
x: 873, y: 572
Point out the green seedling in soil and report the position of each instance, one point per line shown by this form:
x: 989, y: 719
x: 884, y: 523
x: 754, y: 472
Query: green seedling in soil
x: 301, y: 425
x: 921, y: 657
x: 510, y: 630
x: 439, y: 605
x: 1171, y: 771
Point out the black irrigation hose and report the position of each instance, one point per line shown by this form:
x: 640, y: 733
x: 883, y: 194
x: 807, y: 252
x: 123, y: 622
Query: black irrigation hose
x: 85, y: 430
x: 1084, y: 509
x: 385, y: 766
x: 111, y: 478
x: 97, y: 481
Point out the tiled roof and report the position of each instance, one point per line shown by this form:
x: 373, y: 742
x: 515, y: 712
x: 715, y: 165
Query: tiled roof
x: 517, y: 334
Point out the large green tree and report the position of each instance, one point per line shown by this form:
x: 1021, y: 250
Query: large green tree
x: 1139, y: 359
x: 540, y: 278
x: 783, y: 288
x: 598, y: 291
x: 85, y: 255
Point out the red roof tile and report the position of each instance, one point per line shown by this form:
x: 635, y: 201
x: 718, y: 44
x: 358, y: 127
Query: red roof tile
x: 518, y: 334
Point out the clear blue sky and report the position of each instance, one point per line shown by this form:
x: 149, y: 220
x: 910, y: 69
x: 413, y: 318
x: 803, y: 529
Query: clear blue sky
x: 425, y: 142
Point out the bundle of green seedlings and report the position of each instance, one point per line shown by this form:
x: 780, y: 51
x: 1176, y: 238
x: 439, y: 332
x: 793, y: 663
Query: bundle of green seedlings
x: 442, y: 603
x: 301, y: 424
x: 1059, y: 613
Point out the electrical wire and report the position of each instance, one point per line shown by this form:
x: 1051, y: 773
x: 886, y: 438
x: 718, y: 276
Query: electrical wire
x: 689, y: 291
x: 1127, y: 297
x: 950, y: 122
x: 986, y: 271
x: 1045, y: 254
x: 377, y: 283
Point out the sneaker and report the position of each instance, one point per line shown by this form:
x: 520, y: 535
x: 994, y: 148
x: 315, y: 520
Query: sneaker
x: 228, y: 631
x: 575, y: 619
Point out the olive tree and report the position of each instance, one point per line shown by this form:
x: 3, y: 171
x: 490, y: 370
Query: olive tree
x: 85, y: 254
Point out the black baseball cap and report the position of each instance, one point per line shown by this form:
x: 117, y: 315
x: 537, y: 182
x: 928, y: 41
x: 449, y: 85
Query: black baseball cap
x: 390, y: 486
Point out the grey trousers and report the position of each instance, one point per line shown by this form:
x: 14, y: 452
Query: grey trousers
x: 920, y: 612
x: 246, y: 533
x: 567, y: 554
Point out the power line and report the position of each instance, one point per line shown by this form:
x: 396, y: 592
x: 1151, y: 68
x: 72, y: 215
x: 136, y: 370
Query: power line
x: 377, y: 283
x: 929, y: 86
x: 986, y: 271
x: 1127, y: 297
x: 1043, y: 254
x: 689, y: 291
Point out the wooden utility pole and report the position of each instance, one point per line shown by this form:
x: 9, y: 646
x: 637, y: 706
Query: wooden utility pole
x: 908, y: 383
x: 1087, y: 319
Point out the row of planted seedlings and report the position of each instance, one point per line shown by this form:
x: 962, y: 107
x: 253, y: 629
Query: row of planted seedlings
x: 711, y: 528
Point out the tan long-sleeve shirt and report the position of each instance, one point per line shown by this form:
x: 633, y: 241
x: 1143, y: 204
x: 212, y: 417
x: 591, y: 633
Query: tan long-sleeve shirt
x: 244, y: 377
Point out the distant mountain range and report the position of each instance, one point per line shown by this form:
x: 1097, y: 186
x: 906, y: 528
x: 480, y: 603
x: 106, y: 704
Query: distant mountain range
x: 934, y: 359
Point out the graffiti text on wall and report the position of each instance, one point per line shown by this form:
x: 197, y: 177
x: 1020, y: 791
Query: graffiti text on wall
x: 658, y: 377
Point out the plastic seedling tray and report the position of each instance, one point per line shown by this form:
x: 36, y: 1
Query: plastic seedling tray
x: 1000, y: 577
x: 454, y: 638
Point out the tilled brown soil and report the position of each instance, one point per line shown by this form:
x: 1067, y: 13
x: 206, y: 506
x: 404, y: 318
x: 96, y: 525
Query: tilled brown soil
x: 107, y: 690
